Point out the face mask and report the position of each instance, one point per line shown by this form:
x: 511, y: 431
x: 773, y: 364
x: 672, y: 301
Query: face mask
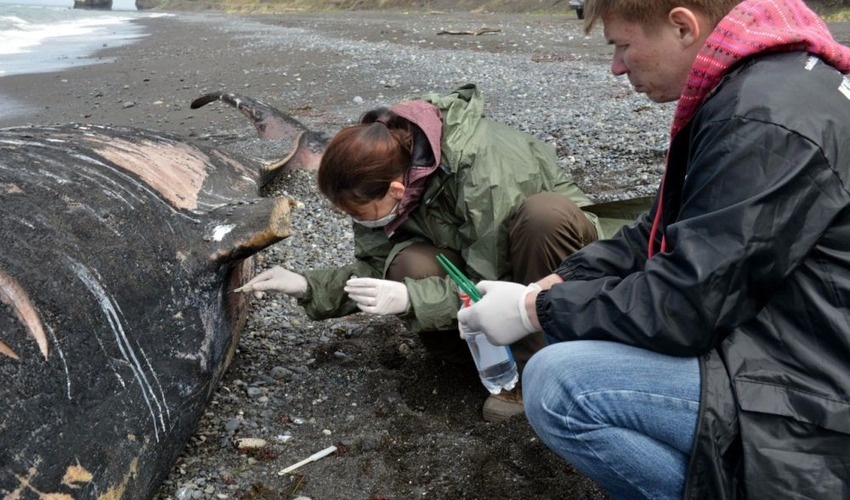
x: 383, y: 221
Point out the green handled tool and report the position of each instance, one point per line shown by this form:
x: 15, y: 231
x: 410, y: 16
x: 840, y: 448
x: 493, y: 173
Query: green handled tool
x: 465, y: 285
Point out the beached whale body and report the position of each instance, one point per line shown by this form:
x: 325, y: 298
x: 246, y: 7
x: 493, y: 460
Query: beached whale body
x: 119, y: 247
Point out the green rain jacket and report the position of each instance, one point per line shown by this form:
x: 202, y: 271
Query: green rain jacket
x: 486, y: 172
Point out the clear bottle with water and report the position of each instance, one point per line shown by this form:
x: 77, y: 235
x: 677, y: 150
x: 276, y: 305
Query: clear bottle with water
x: 495, y: 363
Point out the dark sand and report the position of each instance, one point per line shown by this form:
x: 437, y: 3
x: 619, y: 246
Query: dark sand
x: 151, y: 82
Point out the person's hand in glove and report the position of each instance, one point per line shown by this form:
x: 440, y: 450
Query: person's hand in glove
x: 501, y: 313
x: 276, y: 279
x: 376, y: 296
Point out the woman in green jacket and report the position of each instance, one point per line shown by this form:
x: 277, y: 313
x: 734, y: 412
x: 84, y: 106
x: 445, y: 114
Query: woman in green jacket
x: 434, y: 176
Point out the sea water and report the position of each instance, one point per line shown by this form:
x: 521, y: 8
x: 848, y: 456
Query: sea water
x: 50, y: 35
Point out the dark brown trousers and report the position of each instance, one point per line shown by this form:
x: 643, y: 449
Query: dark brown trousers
x: 548, y: 228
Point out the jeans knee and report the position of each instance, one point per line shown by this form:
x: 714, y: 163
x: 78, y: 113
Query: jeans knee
x: 539, y: 383
x: 556, y: 377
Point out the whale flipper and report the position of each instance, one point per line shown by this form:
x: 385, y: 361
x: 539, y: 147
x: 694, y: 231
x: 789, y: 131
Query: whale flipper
x: 270, y: 122
x: 307, y: 148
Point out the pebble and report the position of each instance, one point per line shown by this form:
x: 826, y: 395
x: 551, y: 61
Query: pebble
x: 183, y: 493
x: 251, y: 443
x: 233, y: 425
x: 281, y: 373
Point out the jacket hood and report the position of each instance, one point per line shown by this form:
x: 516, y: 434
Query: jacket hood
x: 425, y: 157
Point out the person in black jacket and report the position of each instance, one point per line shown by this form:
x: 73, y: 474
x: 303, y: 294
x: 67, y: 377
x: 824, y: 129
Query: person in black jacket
x: 704, y: 351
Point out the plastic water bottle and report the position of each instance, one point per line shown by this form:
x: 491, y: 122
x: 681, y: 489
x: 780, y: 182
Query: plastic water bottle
x: 495, y: 363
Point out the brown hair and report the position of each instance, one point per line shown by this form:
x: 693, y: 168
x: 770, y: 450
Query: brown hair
x: 361, y: 160
x: 649, y: 13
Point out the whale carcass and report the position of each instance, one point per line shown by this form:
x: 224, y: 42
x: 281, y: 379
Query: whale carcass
x: 119, y: 249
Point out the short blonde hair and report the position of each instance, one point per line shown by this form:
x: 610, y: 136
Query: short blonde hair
x: 649, y: 13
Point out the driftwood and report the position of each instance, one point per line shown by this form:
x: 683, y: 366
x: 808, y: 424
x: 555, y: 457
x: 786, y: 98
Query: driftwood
x: 480, y: 31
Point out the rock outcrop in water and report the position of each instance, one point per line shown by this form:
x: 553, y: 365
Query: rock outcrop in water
x: 93, y: 4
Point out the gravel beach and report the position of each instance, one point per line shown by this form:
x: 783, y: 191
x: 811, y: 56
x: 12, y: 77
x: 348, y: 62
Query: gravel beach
x: 406, y: 425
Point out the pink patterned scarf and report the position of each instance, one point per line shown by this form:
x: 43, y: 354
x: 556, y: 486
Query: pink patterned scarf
x: 752, y: 27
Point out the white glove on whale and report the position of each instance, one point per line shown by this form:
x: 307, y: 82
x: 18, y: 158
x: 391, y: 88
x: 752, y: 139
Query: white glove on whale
x: 376, y: 296
x: 276, y: 279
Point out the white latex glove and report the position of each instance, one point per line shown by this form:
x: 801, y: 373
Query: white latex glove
x: 500, y: 313
x: 376, y: 296
x: 276, y: 279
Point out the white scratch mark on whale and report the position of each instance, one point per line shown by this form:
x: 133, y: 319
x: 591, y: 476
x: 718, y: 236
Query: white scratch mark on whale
x: 113, y: 316
x: 111, y: 360
x: 156, y: 379
x: 21, y: 221
x: 107, y: 185
x: 47, y: 174
x: 219, y: 232
x: 15, y: 142
x: 58, y: 349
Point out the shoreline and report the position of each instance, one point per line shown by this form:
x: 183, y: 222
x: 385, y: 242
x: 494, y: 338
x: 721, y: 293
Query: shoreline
x: 102, y: 88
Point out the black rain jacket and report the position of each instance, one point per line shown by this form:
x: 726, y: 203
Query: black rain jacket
x: 755, y: 281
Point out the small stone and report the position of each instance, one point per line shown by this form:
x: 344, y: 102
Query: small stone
x: 251, y: 443
x: 233, y: 424
x: 184, y: 493
x: 281, y: 373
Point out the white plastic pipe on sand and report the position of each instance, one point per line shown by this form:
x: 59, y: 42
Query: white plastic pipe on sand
x: 312, y: 458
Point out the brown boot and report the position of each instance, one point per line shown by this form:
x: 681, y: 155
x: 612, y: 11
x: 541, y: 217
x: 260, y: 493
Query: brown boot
x: 504, y: 405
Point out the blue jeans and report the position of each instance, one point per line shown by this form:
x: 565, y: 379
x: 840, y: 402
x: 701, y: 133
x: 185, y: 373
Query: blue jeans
x: 623, y: 416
